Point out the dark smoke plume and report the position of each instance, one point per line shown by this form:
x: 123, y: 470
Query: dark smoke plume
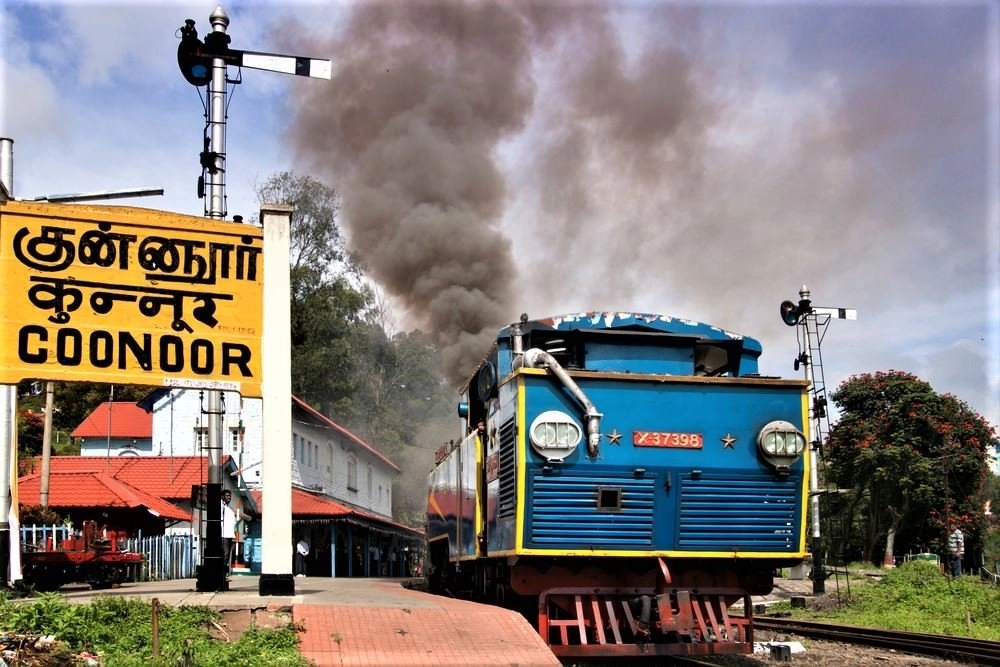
x: 421, y: 98
x: 628, y: 158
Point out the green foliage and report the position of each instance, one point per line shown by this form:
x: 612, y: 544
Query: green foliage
x: 120, y: 630
x: 917, y: 597
x: 398, y: 387
x: 346, y: 360
x: 328, y: 299
x: 36, y: 514
x: 30, y: 429
x: 915, y: 460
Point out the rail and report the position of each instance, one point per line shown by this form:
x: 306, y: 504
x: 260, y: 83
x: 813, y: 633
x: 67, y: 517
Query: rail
x: 976, y: 651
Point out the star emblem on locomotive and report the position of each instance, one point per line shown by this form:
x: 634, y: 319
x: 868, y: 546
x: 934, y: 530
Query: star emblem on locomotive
x: 728, y: 441
x: 614, y: 438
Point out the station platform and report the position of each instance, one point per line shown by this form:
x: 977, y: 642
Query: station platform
x: 360, y: 621
x: 374, y: 621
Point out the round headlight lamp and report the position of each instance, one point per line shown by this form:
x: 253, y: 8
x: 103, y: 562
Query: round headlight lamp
x: 781, y: 443
x: 554, y: 435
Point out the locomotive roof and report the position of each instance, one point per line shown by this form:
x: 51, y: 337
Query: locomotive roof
x: 626, y: 321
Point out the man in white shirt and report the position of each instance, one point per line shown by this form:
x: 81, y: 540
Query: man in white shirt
x: 228, y: 528
x: 301, y: 551
x: 956, y: 551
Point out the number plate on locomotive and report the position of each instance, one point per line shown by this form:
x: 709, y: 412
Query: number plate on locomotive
x: 661, y: 439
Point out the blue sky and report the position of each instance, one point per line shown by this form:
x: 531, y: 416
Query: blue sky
x: 702, y: 161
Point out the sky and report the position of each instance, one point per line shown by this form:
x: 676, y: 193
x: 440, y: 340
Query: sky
x: 697, y: 160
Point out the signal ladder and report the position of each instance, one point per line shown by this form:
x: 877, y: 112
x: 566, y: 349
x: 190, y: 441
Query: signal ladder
x: 813, y: 322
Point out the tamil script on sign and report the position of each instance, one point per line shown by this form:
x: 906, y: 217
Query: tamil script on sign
x: 130, y: 296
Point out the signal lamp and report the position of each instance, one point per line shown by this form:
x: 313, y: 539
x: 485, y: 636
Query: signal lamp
x: 195, y: 65
x: 790, y: 313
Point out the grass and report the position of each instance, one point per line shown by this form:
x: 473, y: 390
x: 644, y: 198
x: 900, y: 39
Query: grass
x: 119, y: 631
x: 915, y: 597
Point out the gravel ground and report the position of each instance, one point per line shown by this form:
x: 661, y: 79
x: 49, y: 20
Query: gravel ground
x: 831, y: 654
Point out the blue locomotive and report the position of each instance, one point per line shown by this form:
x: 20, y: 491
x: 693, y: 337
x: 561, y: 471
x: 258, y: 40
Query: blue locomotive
x: 623, y: 479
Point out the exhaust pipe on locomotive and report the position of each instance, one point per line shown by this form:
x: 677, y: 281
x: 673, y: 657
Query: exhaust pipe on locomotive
x: 535, y: 358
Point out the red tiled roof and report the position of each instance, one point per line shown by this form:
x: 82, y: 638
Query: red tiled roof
x: 306, y: 504
x: 126, y: 420
x: 340, y: 429
x: 162, y: 476
x: 94, y: 489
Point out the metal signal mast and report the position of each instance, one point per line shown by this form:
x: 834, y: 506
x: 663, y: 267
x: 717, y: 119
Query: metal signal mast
x: 814, y: 321
x: 204, y: 63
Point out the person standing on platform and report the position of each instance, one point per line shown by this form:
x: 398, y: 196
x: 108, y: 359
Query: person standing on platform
x: 301, y: 552
x: 956, y: 551
x: 228, y: 528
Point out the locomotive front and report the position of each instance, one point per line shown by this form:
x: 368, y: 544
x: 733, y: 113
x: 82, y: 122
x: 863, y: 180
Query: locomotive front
x: 626, y: 477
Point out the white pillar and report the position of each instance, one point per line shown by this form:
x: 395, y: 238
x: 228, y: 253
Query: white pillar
x: 276, y: 387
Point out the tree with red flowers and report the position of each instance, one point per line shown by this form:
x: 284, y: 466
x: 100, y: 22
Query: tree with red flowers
x: 912, y: 461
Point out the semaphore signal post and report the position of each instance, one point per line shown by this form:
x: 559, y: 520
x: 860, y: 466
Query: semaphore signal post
x: 205, y: 63
x: 813, y: 321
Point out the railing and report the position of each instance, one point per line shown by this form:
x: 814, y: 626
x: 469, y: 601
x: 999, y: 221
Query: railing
x: 43, y: 538
x: 165, y: 556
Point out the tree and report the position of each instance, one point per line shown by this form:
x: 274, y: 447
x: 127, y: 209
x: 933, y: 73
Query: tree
x: 991, y: 543
x: 914, y: 459
x: 30, y: 426
x: 399, y: 387
x: 328, y: 297
x: 346, y: 359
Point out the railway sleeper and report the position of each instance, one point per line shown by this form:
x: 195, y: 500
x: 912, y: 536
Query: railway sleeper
x: 595, y: 622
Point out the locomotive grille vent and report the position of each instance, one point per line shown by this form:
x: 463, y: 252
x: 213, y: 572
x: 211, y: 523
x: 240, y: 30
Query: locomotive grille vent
x: 593, y: 511
x: 745, y: 513
x: 508, y: 470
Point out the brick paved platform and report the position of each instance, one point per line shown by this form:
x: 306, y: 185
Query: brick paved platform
x: 413, y: 628
x: 365, y: 621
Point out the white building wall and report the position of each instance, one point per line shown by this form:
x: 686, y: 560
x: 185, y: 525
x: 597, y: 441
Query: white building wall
x: 324, y: 457
x: 115, y: 447
x: 321, y: 455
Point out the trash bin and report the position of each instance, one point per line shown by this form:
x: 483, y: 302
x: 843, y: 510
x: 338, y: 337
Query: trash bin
x: 931, y: 557
x: 800, y: 571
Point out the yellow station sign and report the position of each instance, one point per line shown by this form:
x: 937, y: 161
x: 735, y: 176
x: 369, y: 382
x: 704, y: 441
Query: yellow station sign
x: 129, y: 296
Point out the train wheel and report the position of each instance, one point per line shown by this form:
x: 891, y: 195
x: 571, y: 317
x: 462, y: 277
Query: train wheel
x: 45, y: 579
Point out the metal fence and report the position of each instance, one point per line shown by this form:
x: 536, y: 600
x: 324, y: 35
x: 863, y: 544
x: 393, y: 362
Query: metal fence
x: 165, y: 556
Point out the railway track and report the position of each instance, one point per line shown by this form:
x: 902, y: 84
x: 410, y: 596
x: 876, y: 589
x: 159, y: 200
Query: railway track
x: 685, y: 661
x: 975, y: 651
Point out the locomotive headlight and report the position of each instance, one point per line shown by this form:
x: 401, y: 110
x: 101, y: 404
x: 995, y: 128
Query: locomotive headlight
x: 555, y: 435
x: 781, y: 443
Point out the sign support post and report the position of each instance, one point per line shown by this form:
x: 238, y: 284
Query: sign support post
x: 8, y: 421
x: 276, y: 372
